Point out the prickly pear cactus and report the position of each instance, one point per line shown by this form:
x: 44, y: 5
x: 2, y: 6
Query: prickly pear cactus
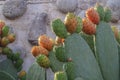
x: 59, y: 28
x: 7, y: 70
x: 83, y: 56
x: 55, y: 64
x: 84, y: 60
x: 6, y: 76
x: 36, y: 73
x: 70, y: 70
x: 61, y: 75
x: 90, y: 40
x: 107, y: 52
x: 78, y: 78
x: 79, y: 25
x: 5, y: 31
x: 119, y: 58
x: 108, y: 15
x: 60, y: 53
x: 100, y: 10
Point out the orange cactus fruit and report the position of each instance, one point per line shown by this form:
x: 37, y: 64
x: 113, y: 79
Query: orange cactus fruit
x: 2, y: 24
x: 88, y: 27
x: 116, y: 31
x: 70, y: 22
x: 11, y: 37
x: 4, y: 41
x: 59, y: 40
x: 36, y: 50
x: 45, y: 42
x: 93, y: 15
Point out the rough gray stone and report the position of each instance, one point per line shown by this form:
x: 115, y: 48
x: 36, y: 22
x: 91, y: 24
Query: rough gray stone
x: 114, y: 5
x: 14, y: 8
x: 82, y: 14
x: 67, y: 5
x: 38, y: 27
x: 20, y: 49
x: 49, y: 74
x: 115, y: 17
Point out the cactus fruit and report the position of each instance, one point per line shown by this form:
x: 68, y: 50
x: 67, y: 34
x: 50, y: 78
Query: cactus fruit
x: 59, y: 28
x: 9, y: 56
x: 70, y: 22
x: 116, y: 32
x: 88, y: 27
x: 55, y: 64
x: 60, y: 53
x: 100, y: 11
x: 22, y: 75
x: 45, y: 42
x: 6, y: 50
x: 11, y: 37
x: 16, y: 56
x: 59, y: 40
x: 2, y: 24
x: 93, y: 15
x: 36, y: 50
x: 79, y: 25
x: 18, y: 63
x: 108, y: 15
x: 43, y: 61
x: 4, y: 42
x: 19, y: 68
x: 60, y: 76
x: 70, y: 70
x: 5, y: 31
x: 1, y: 50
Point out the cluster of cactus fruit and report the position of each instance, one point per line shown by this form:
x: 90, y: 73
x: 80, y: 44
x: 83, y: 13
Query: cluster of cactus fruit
x: 84, y: 49
x: 7, y: 37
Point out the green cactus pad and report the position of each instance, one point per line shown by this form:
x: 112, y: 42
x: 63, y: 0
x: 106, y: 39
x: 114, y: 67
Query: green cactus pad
x: 7, y: 70
x: 35, y: 72
x: 108, y: 15
x: 16, y: 56
x: 6, y: 76
x: 6, y: 51
x: 100, y: 10
x: 84, y: 60
x: 90, y: 40
x: 55, y: 64
x: 59, y: 28
x: 107, y: 52
x: 5, y: 31
x: 70, y: 70
x: 61, y: 75
x: 19, y: 68
x: 78, y: 78
x: 60, y: 53
x: 79, y: 25
x: 19, y: 63
x: 119, y: 58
